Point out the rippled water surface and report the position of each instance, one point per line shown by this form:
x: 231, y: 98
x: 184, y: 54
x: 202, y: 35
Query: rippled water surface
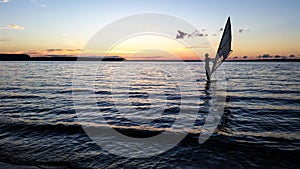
x: 45, y: 106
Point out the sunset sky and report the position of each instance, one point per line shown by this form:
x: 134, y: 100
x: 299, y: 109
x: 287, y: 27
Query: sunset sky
x: 63, y: 27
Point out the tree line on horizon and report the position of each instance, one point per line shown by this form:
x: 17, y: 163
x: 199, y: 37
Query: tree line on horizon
x: 266, y: 56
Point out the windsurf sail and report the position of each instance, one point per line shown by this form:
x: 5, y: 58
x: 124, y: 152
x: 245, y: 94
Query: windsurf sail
x: 224, y: 49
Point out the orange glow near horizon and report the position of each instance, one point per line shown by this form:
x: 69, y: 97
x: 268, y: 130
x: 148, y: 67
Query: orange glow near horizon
x: 151, y: 47
x: 36, y: 28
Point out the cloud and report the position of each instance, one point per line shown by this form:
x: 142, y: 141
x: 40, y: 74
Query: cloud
x: 182, y: 35
x: 12, y: 27
x: 40, y: 3
x: 37, y: 2
x: 59, y: 55
x: 73, y: 50
x: 5, y: 1
x: 63, y: 50
x: 146, y: 57
x: 243, y: 30
x: 32, y: 53
x: 54, y: 50
x: 5, y: 40
x: 16, y: 27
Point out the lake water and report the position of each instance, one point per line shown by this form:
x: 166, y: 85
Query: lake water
x: 47, y: 109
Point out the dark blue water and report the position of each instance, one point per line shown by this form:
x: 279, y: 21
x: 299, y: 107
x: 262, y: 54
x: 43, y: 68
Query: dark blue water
x: 41, y: 120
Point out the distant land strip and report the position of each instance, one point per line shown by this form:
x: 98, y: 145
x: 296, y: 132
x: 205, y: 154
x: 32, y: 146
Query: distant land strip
x: 236, y: 60
x: 25, y: 57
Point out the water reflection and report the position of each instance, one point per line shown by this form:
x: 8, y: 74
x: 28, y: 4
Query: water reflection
x: 39, y: 125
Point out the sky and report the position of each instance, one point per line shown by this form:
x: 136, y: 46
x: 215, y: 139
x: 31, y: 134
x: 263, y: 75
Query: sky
x: 64, y: 27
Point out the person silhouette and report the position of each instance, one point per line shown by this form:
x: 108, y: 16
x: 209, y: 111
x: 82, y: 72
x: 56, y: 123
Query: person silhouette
x: 207, y: 68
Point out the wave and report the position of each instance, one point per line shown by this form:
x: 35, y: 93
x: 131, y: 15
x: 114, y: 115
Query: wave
x: 277, y: 135
x: 132, y: 131
x: 21, y: 97
x: 281, y: 101
x: 277, y: 91
x: 17, y: 126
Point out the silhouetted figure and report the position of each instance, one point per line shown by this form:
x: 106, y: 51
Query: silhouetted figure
x: 207, y: 68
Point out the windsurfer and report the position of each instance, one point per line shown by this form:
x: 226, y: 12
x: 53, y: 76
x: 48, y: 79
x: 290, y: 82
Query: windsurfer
x: 207, y: 68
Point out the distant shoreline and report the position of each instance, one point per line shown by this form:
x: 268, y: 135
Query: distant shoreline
x: 25, y: 57
x: 261, y: 60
